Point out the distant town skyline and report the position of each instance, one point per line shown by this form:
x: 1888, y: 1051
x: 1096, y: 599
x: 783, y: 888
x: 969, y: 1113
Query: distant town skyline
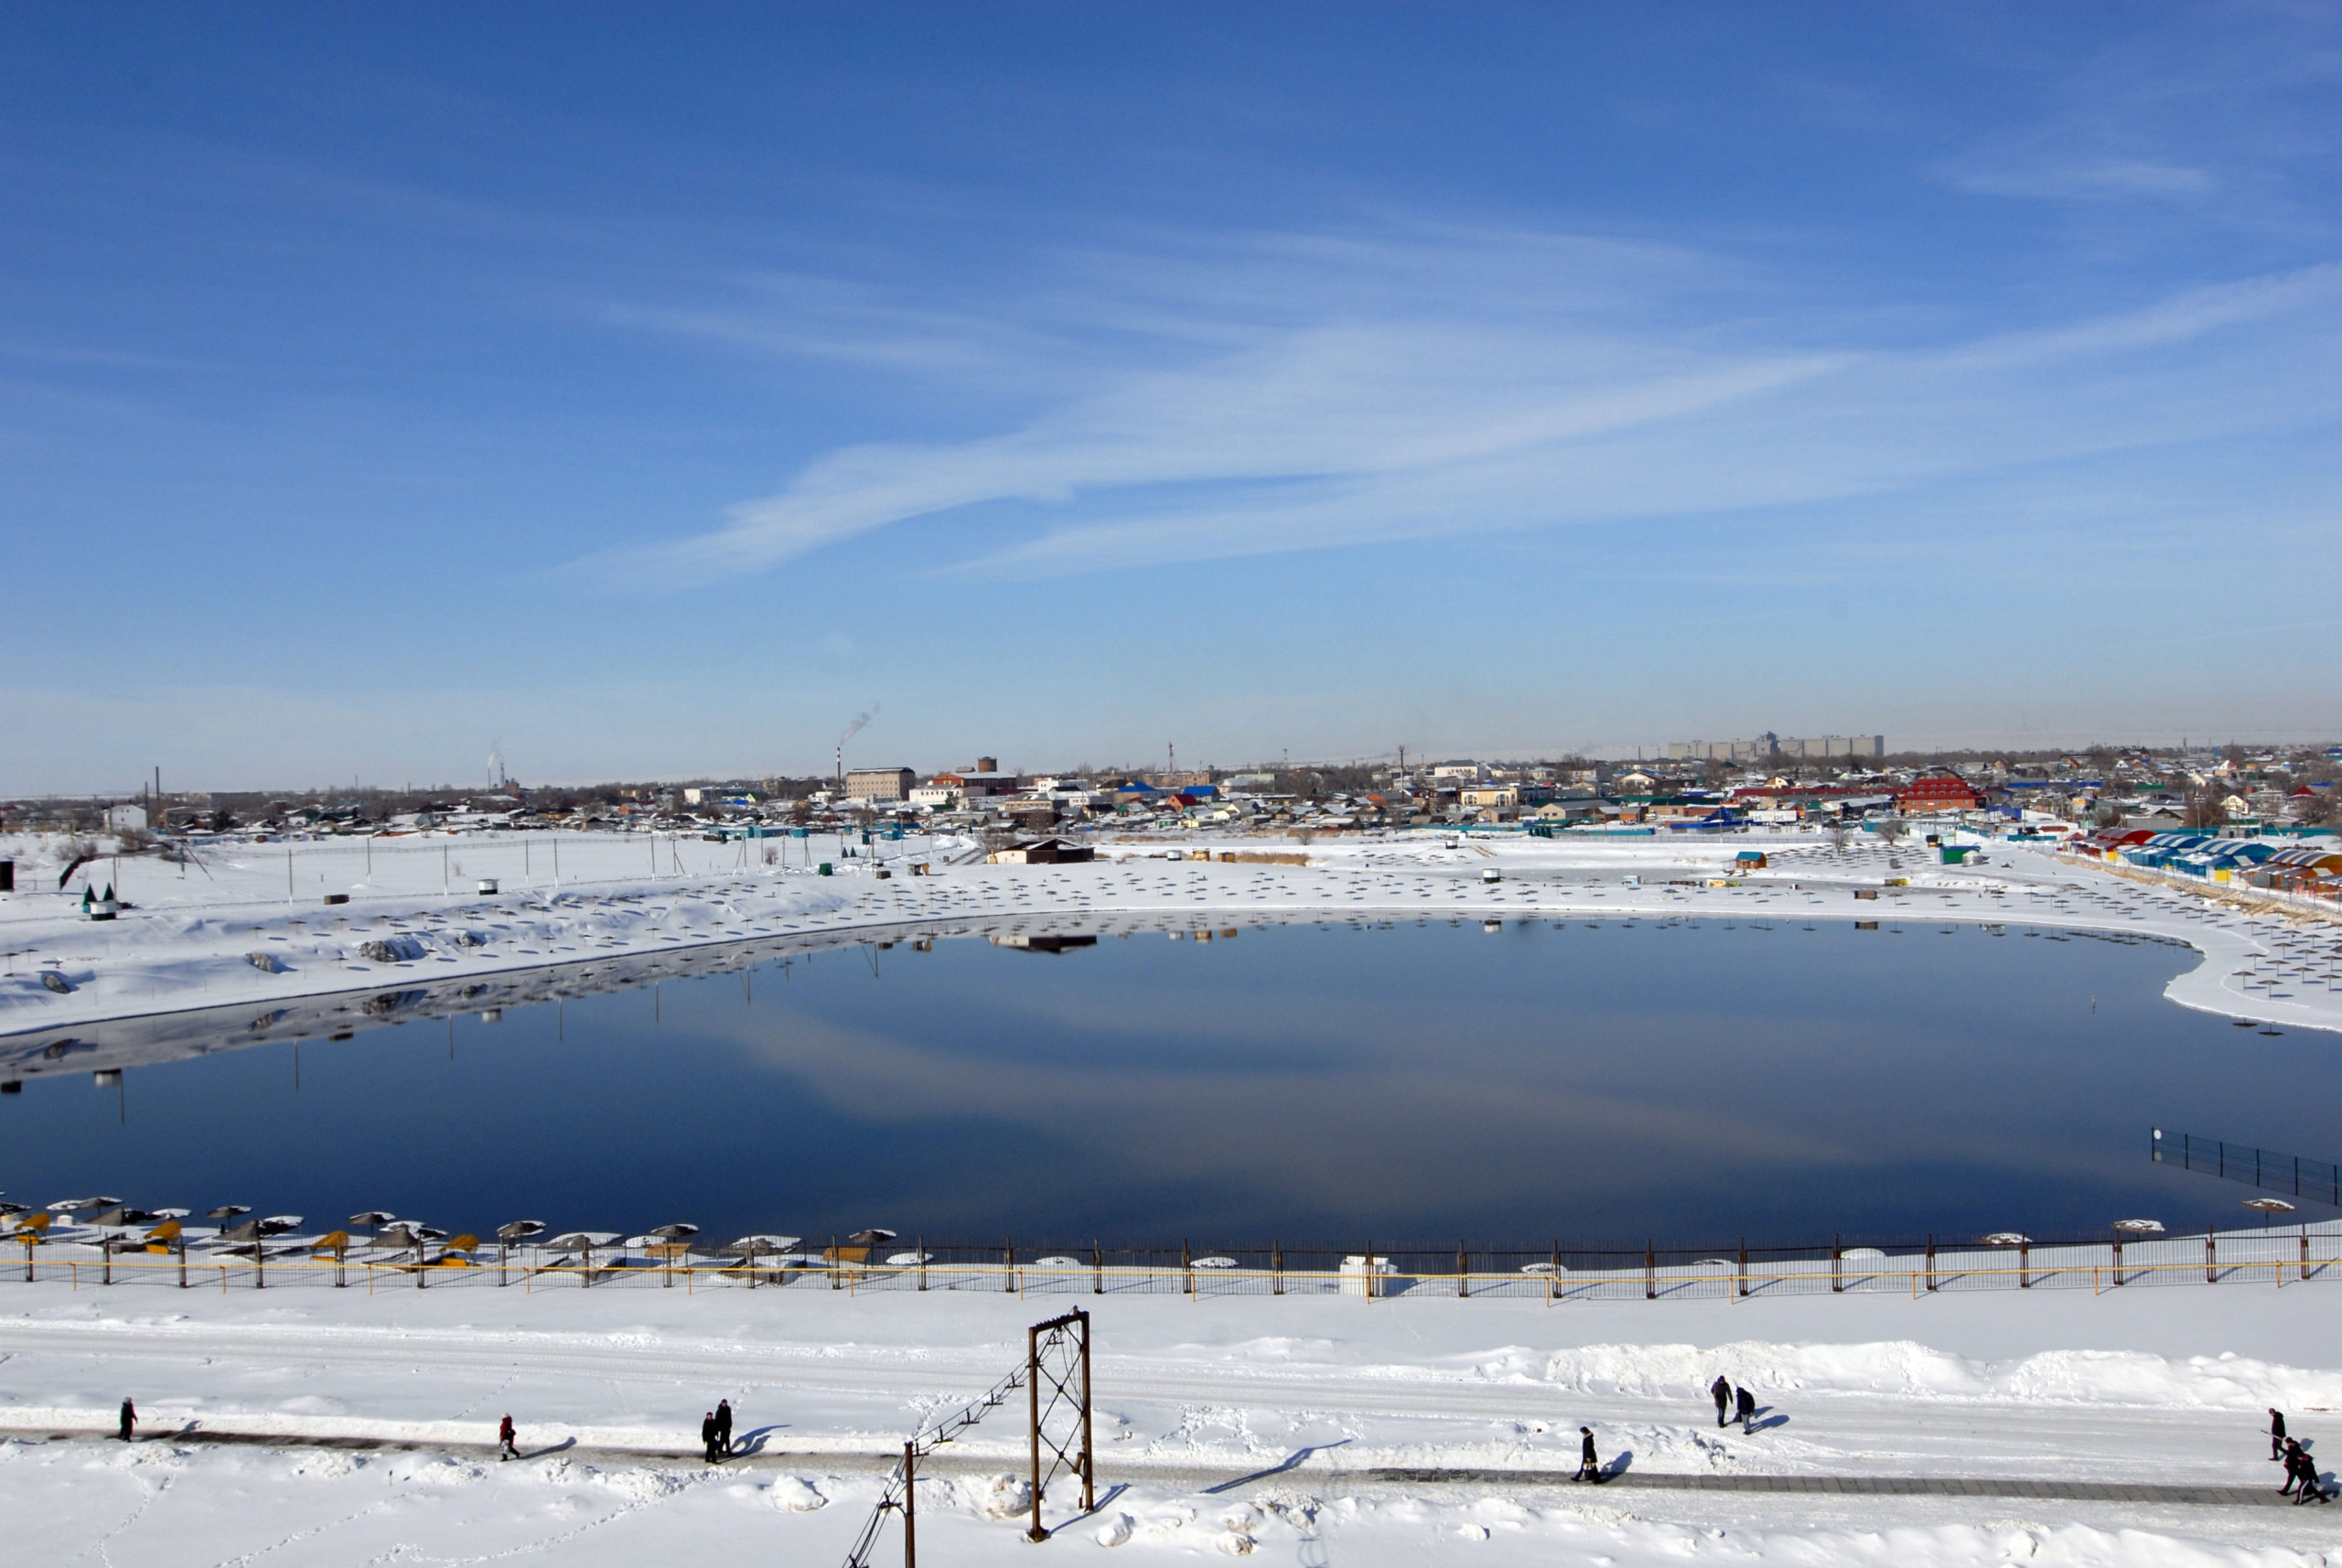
x: 657, y: 391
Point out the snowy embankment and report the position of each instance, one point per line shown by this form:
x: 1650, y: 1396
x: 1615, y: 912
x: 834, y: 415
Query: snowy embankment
x: 249, y: 924
x: 1268, y: 1421
x: 1229, y: 1424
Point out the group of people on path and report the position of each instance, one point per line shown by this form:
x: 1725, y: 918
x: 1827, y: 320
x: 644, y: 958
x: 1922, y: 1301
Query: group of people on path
x: 1732, y: 1404
x: 715, y: 1432
x: 2302, y: 1482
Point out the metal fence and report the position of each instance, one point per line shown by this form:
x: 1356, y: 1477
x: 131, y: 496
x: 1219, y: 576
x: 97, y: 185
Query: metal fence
x: 2314, y: 1179
x: 1554, y: 1276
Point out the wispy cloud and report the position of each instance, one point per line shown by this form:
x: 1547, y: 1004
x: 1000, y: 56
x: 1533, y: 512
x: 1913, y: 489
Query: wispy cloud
x: 1297, y: 393
x: 2063, y: 176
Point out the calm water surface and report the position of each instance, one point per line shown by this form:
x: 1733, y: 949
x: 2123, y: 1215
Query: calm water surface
x: 1586, y: 1081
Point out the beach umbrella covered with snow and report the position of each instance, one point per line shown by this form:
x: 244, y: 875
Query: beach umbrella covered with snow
x: 760, y: 1246
x: 2269, y: 1205
x: 871, y: 1237
x: 2139, y: 1227
x: 2008, y: 1238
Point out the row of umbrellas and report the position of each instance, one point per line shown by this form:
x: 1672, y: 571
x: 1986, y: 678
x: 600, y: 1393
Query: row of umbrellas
x: 118, y: 1225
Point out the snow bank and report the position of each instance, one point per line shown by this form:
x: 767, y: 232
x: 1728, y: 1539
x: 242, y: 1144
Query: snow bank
x: 1911, y: 1370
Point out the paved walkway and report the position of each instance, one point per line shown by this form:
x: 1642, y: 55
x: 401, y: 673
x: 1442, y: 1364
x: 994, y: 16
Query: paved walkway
x: 756, y: 1453
x: 1877, y: 1486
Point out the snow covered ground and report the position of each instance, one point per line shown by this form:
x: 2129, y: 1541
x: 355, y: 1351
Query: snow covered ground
x: 249, y: 925
x: 1227, y: 1425
x: 1224, y: 1425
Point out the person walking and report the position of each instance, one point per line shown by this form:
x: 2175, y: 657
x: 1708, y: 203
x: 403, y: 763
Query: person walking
x: 129, y: 1420
x: 2312, y: 1487
x: 2276, y: 1434
x: 1744, y: 1405
x: 507, y: 1447
x: 1589, y: 1468
x: 723, y: 1427
x: 1721, y: 1392
x: 2293, y: 1468
x: 707, y: 1435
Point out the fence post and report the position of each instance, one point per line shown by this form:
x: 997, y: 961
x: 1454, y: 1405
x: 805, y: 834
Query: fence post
x: 1650, y: 1271
x: 1462, y: 1274
x: 1837, y: 1264
x: 2304, y: 1250
x: 1276, y: 1265
x: 182, y: 1241
x: 1009, y: 1276
x: 922, y: 1244
x: 2025, y: 1266
x: 1033, y: 1393
x: 1187, y: 1268
x: 910, y: 1508
x: 2211, y: 1258
x: 105, y: 1269
x: 1741, y: 1279
x: 834, y: 1259
x: 1932, y: 1259
x: 1096, y: 1267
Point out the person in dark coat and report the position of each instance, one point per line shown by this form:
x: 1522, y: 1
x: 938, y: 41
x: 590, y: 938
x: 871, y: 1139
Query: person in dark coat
x: 707, y: 1434
x: 723, y: 1427
x: 1589, y: 1468
x: 506, y: 1448
x: 2293, y: 1458
x: 2311, y: 1486
x: 1721, y: 1392
x: 2276, y: 1434
x: 129, y: 1420
x: 1743, y: 1407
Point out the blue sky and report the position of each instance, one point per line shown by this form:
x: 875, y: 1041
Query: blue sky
x: 655, y: 389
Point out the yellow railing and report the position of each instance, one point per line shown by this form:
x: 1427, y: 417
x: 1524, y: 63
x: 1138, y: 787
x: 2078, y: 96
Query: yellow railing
x: 1733, y: 1284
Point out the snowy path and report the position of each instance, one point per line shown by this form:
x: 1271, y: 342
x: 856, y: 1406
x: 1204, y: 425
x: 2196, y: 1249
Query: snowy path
x: 1297, y: 1404
x: 1881, y: 1408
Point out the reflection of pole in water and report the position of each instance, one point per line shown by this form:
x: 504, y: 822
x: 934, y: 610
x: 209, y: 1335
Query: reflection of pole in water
x: 296, y: 1067
x: 654, y: 1002
x: 560, y: 1023
x: 451, y: 1038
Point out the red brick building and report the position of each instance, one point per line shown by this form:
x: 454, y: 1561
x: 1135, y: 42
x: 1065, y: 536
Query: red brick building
x: 1945, y: 792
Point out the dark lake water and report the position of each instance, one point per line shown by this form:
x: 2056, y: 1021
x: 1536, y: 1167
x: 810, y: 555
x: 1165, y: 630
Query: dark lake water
x: 1696, y: 1081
